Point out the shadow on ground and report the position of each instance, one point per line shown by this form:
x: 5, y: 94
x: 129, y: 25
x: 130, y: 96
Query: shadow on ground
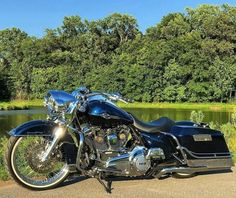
x: 76, y: 178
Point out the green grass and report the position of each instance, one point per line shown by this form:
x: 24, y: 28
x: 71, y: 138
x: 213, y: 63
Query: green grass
x: 201, y: 106
x: 26, y: 104
x: 20, y: 104
x: 3, y: 173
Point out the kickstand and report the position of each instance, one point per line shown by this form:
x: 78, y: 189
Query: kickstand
x: 107, y: 185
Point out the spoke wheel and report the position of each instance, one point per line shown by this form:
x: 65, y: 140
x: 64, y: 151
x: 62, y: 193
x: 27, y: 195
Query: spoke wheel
x: 25, y: 165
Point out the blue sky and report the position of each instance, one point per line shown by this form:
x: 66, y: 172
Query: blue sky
x: 34, y: 16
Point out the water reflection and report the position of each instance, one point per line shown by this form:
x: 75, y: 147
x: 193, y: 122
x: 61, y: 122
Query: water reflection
x: 11, y: 119
x: 180, y: 114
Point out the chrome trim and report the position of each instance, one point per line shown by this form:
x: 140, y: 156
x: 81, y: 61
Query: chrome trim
x: 213, y: 155
x: 179, y: 147
x: 155, y: 153
x: 81, y: 143
x: 202, y: 137
x: 177, y: 158
x: 211, y: 163
x: 133, y: 163
x: 58, y: 134
x: 188, y: 170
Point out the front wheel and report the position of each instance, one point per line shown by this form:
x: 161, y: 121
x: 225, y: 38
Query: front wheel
x: 23, y: 160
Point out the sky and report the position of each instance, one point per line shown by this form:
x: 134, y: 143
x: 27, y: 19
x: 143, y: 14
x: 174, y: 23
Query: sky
x: 34, y: 16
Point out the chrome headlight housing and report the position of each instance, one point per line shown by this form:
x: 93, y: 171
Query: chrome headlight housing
x: 59, y: 105
x: 55, y: 109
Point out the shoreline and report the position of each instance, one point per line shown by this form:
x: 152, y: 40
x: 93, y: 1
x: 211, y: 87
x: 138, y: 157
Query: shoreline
x: 197, y: 106
x: 28, y: 104
x: 20, y: 104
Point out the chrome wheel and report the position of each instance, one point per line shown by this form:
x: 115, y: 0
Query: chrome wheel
x: 30, y: 170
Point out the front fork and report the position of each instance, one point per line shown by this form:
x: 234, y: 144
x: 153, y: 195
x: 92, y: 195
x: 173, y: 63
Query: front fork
x: 59, y: 132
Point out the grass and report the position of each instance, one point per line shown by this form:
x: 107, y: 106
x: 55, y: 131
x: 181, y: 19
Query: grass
x: 26, y: 104
x: 20, y: 104
x: 201, y: 106
x: 3, y: 173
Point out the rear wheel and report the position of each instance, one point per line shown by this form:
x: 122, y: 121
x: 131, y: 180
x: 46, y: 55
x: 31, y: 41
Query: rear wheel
x: 23, y: 159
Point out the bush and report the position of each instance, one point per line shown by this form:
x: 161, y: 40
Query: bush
x: 230, y: 135
x: 233, y: 119
x: 3, y: 173
x: 229, y: 130
x: 197, y: 116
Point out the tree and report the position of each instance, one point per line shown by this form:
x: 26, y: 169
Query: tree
x: 185, y: 57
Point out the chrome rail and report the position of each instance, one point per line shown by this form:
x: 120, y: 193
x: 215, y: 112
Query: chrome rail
x: 179, y: 147
x: 81, y: 143
x: 204, y: 155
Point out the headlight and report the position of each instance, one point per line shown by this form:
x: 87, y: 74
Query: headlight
x: 61, y: 105
x: 56, y: 109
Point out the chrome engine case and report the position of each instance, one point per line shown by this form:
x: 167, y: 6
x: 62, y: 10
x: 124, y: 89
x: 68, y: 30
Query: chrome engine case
x: 135, y: 163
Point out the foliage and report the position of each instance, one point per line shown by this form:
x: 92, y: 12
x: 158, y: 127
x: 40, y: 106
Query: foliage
x: 233, y: 119
x: 186, y: 57
x: 26, y: 104
x: 229, y: 130
x: 197, y: 116
x: 3, y: 172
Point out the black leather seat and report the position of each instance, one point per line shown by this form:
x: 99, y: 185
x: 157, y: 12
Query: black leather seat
x: 163, y: 124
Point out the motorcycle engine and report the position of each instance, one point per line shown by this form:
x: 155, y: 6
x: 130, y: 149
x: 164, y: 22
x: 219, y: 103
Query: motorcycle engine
x: 111, y: 142
x: 117, y: 151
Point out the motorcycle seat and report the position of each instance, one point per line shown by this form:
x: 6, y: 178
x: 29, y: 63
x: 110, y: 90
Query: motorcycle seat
x: 162, y: 124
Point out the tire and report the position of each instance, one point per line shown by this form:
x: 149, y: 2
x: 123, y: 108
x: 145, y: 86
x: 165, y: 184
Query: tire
x: 183, y: 175
x: 13, y: 141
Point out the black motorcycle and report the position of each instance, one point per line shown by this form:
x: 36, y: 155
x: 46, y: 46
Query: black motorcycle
x: 87, y: 133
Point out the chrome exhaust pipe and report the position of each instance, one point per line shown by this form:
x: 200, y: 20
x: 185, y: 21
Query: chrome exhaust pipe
x: 188, y: 170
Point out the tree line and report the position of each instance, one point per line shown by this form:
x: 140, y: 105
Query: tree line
x: 186, y: 57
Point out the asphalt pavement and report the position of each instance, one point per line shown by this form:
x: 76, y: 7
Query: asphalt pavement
x: 217, y: 185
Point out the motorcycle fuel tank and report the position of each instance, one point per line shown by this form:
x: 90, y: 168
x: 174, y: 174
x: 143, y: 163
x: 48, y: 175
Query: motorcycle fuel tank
x: 106, y: 114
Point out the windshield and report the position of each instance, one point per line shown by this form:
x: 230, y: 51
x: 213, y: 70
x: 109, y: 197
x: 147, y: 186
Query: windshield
x: 61, y: 97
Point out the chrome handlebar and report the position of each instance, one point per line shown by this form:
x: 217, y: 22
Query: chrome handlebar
x: 83, y: 96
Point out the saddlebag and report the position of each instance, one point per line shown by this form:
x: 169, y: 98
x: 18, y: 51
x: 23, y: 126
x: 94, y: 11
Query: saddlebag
x: 203, y: 146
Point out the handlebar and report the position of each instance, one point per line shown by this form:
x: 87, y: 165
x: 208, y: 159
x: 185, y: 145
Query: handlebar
x: 118, y: 97
x: 112, y: 96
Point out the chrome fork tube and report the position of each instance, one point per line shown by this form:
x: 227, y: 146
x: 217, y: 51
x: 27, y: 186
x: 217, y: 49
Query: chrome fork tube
x: 81, y: 143
x: 59, y: 132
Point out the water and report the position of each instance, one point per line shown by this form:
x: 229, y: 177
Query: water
x: 11, y: 119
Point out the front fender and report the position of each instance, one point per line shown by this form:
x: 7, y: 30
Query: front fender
x: 34, y: 127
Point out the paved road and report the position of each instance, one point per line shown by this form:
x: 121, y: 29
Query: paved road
x: 207, y: 185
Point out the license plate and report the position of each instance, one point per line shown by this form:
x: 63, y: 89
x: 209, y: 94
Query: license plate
x: 202, y: 138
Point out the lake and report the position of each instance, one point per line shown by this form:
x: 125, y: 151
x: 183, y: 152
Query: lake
x: 13, y: 118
